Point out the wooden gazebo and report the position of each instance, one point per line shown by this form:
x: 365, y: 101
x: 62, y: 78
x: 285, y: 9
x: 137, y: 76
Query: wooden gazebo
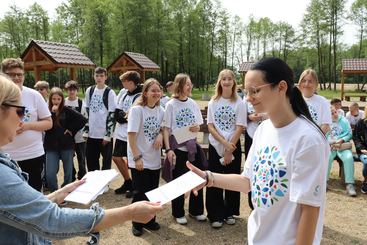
x: 128, y: 61
x: 49, y: 56
x: 349, y: 67
x: 244, y: 68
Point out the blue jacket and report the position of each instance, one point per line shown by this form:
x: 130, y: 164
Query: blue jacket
x: 28, y: 217
x: 342, y: 131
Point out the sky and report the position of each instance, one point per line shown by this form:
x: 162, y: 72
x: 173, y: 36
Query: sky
x: 290, y: 11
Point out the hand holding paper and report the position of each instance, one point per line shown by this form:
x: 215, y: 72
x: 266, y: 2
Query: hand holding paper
x: 175, y: 188
x: 184, y: 134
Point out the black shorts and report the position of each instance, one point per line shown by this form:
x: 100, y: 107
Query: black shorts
x: 120, y: 149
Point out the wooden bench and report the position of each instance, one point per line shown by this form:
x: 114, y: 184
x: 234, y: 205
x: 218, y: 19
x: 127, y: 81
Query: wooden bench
x: 349, y: 96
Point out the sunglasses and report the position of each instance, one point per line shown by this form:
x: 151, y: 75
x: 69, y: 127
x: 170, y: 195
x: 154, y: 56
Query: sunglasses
x: 20, y: 109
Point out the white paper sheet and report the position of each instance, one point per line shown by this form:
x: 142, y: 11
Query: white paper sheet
x: 175, y: 188
x: 184, y: 134
x: 95, y: 183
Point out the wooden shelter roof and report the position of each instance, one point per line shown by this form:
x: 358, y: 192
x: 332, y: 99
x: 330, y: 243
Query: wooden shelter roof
x: 49, y: 56
x: 246, y: 66
x: 354, y: 66
x: 132, y: 61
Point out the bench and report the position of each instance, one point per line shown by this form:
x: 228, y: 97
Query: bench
x: 349, y: 96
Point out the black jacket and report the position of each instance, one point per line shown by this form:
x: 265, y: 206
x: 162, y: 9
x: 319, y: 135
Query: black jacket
x: 55, y: 138
x: 360, y: 135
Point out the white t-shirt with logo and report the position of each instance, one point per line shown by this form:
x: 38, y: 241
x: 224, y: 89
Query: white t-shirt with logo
x: 286, y: 167
x: 225, y: 115
x: 164, y: 100
x: 319, y: 109
x: 98, y: 112
x: 146, y: 122
x: 74, y: 104
x: 251, y: 125
x: 29, y: 144
x: 352, y: 119
x: 124, y: 102
x: 180, y: 114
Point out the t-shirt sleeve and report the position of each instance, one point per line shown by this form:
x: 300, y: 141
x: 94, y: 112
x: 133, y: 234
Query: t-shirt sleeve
x: 111, y: 101
x: 326, y: 113
x: 134, y: 119
x: 42, y: 108
x: 247, y: 172
x: 86, y: 99
x: 308, y: 176
x: 167, y: 117
x: 210, y: 116
x: 241, y: 114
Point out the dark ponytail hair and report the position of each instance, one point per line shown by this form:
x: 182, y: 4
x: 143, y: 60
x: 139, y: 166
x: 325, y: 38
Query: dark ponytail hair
x: 276, y: 70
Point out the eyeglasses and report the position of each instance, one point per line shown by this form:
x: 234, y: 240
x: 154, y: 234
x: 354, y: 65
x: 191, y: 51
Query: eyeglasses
x: 13, y: 75
x: 20, y: 109
x: 254, y: 91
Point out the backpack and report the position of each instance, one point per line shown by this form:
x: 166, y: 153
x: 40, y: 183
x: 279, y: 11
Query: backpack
x: 105, y: 95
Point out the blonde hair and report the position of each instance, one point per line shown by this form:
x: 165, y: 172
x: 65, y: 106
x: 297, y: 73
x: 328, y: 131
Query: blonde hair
x: 143, y: 100
x: 219, y: 89
x: 9, y: 91
x: 309, y: 72
x: 41, y: 85
x: 179, y: 83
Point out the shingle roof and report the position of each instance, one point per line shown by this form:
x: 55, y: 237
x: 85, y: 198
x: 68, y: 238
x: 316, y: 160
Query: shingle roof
x: 142, y: 60
x: 354, y: 65
x: 245, y: 66
x: 60, y: 53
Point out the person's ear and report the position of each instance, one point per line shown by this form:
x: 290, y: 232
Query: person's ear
x: 282, y: 86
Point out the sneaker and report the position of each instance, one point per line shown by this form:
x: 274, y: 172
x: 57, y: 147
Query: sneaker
x: 93, y: 239
x: 125, y: 187
x: 350, y: 190
x: 364, y: 187
x: 152, y: 226
x: 200, y: 217
x: 182, y: 220
x: 217, y: 224
x: 137, y: 231
x: 230, y: 220
x: 130, y: 194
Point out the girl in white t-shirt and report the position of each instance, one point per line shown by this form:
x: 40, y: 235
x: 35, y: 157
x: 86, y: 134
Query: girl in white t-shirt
x: 287, y: 163
x: 144, y: 146
x: 226, y: 122
x: 183, y: 112
x: 318, y: 106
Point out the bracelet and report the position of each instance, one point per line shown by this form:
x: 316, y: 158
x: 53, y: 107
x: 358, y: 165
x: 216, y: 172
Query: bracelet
x: 135, y: 158
x: 210, y: 178
x: 168, y: 150
x: 206, y: 178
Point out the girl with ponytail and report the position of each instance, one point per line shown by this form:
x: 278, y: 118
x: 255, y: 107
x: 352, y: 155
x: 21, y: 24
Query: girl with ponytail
x: 287, y: 163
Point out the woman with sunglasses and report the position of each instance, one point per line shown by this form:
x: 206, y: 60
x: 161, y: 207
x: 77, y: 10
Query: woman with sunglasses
x: 29, y: 217
x: 27, y: 146
x: 286, y: 177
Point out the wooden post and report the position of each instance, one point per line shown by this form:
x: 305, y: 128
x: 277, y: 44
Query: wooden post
x: 342, y: 85
x: 72, y: 73
x: 37, y: 74
x: 142, y: 75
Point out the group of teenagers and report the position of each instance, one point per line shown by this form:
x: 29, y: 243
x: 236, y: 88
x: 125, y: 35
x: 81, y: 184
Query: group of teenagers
x: 287, y: 151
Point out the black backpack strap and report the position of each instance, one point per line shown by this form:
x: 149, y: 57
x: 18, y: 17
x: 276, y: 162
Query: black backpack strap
x: 135, y: 97
x: 80, y: 104
x: 105, y: 97
x: 91, y: 91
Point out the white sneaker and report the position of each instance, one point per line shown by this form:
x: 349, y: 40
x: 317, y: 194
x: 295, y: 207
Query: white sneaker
x: 217, y: 224
x: 351, y: 190
x: 200, y: 217
x: 230, y: 220
x: 182, y: 220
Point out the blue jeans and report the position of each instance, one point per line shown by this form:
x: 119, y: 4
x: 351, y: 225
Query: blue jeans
x: 52, y: 167
x: 363, y: 159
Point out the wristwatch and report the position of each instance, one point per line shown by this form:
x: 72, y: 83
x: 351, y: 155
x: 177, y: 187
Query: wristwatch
x: 135, y: 158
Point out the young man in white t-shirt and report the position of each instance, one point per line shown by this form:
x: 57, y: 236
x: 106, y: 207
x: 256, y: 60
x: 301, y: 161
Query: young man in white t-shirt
x: 76, y: 103
x: 125, y: 99
x: 27, y: 147
x: 100, y: 105
x: 354, y: 114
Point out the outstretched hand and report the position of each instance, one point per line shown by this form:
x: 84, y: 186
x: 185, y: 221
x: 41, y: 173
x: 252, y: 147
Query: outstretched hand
x: 59, y: 195
x: 198, y: 172
x: 143, y: 211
